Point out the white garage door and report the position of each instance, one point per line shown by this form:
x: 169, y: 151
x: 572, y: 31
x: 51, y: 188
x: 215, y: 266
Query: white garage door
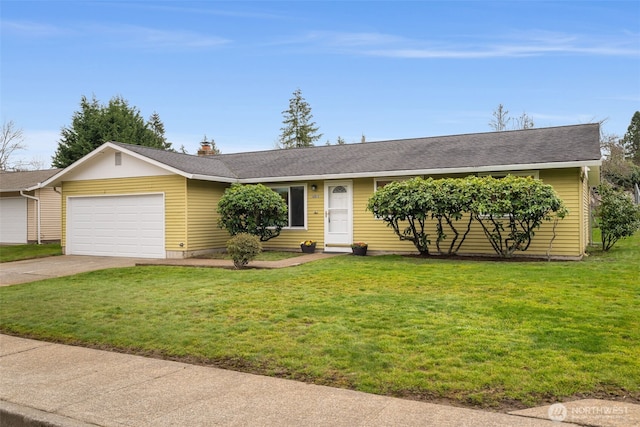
x: 13, y: 220
x: 126, y: 226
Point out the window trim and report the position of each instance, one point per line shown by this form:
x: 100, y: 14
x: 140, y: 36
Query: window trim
x: 288, y: 186
x: 535, y: 174
x: 391, y: 179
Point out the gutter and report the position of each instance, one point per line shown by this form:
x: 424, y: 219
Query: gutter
x: 419, y: 172
x: 37, y: 213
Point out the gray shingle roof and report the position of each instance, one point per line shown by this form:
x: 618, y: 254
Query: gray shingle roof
x: 16, y: 181
x: 198, y: 165
x: 575, y: 143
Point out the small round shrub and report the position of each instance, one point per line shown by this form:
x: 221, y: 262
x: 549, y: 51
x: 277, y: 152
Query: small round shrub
x: 243, y: 248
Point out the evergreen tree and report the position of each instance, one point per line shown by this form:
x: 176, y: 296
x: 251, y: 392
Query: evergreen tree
x: 95, y: 124
x: 631, y: 139
x: 298, y: 130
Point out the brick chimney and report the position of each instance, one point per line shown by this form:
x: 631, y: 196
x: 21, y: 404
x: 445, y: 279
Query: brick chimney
x: 205, y: 149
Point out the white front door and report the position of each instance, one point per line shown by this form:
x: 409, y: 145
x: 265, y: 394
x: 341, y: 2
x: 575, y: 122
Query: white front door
x: 338, y: 218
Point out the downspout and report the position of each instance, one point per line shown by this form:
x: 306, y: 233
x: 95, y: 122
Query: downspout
x: 37, y: 212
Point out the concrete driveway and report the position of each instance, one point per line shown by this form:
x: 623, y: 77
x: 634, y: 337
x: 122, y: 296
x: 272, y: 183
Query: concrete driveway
x: 13, y: 273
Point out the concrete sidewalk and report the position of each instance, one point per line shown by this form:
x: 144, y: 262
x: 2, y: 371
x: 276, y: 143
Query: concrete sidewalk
x: 58, y: 385
x: 74, y: 384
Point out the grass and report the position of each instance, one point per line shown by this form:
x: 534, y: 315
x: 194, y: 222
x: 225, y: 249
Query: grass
x: 21, y: 252
x: 498, y: 335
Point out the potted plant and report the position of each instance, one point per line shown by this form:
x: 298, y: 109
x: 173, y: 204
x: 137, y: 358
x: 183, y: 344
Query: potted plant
x: 359, y: 248
x: 308, y: 246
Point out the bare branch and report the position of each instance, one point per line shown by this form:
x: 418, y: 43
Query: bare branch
x: 11, y: 140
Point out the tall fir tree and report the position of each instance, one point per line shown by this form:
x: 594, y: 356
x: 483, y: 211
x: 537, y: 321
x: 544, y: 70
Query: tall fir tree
x: 299, y: 130
x: 95, y: 124
x: 631, y: 139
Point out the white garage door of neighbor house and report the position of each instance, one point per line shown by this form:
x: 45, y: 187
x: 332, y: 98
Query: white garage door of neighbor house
x: 126, y: 226
x: 13, y: 220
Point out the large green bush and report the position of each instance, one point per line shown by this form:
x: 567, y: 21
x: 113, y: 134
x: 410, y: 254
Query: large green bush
x: 406, y: 207
x: 452, y: 200
x: 509, y: 210
x: 617, y: 215
x: 243, y: 248
x: 252, y: 209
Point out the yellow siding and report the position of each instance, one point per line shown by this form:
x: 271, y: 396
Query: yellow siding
x: 203, y: 232
x: 290, y: 239
x: 173, y: 187
x: 191, y: 218
x: 569, y: 232
x: 368, y: 229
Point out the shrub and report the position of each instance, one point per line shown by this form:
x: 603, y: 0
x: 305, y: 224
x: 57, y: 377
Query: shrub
x: 405, y: 206
x: 510, y: 209
x: 252, y: 209
x: 452, y: 200
x: 617, y: 216
x: 243, y: 248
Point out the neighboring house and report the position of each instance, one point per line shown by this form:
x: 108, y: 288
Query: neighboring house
x: 129, y: 200
x: 29, y: 213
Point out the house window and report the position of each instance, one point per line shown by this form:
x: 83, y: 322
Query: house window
x: 118, y: 159
x: 294, y: 197
x: 379, y: 183
x: 535, y: 174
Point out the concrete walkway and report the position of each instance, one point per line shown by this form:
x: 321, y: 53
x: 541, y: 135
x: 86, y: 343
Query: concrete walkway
x: 17, y: 272
x: 225, y: 263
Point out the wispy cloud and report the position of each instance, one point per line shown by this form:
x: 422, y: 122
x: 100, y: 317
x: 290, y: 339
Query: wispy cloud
x: 535, y: 43
x: 230, y: 13
x: 32, y: 29
x: 154, y: 39
x: 124, y: 36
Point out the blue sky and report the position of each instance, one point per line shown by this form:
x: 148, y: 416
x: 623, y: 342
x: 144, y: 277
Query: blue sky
x: 388, y: 70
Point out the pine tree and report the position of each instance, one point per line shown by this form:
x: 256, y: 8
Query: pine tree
x: 95, y: 124
x: 298, y: 130
x: 631, y: 139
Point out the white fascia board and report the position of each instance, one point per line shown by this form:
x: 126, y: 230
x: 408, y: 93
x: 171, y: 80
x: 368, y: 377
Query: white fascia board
x: 214, y: 178
x: 72, y: 166
x: 415, y: 172
x: 57, y: 177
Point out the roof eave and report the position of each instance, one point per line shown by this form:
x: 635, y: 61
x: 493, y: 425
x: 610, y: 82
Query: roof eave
x: 212, y: 178
x: 437, y: 171
x: 58, y: 177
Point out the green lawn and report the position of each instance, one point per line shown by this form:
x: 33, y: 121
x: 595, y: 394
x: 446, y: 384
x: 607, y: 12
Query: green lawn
x: 491, y: 334
x: 20, y: 252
